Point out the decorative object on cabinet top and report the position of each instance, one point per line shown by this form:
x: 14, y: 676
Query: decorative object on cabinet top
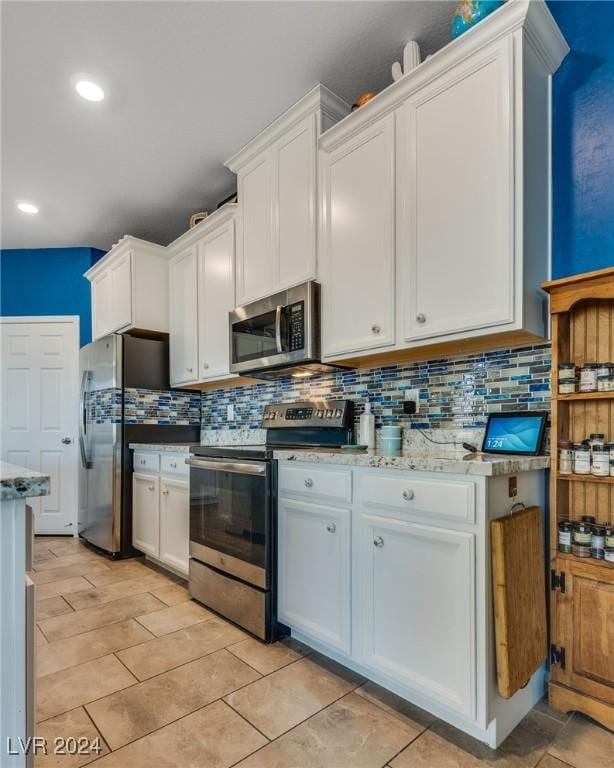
x: 411, y: 59
x: 215, y: 219
x: 533, y: 16
x: 469, y: 12
x: 427, y: 461
x: 19, y: 482
x: 363, y: 99
x: 196, y: 218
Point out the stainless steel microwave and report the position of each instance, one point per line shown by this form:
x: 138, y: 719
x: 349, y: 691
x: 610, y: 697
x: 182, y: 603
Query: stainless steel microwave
x: 279, y: 335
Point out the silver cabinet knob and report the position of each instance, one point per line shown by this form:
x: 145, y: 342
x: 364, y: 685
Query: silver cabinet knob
x: 308, y: 482
x: 376, y: 329
x: 331, y: 527
x: 67, y: 440
x: 408, y: 495
x: 151, y: 487
x: 421, y: 318
x: 205, y: 366
x: 378, y: 542
x: 189, y: 370
x: 173, y: 464
x: 165, y: 491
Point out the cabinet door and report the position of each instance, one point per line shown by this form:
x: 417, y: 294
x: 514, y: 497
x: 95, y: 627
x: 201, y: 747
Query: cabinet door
x: 456, y: 237
x: 257, y: 274
x: 417, y: 608
x: 101, y: 305
x: 583, y: 625
x: 294, y: 203
x: 184, y: 318
x: 174, y: 523
x: 121, y: 292
x: 358, y: 241
x: 314, y: 571
x: 216, y: 297
x: 146, y: 513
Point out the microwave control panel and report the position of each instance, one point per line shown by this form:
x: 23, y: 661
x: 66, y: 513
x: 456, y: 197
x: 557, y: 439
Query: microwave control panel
x: 296, y: 320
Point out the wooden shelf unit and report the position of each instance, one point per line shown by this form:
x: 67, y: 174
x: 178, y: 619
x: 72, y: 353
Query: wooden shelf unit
x: 582, y: 603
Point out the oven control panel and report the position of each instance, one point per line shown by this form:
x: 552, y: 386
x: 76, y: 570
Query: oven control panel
x: 309, y: 413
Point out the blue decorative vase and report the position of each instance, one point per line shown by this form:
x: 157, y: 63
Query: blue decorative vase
x: 469, y: 12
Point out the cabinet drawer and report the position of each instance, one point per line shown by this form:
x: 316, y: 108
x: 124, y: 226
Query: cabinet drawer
x: 310, y: 481
x: 146, y: 462
x: 439, y: 498
x: 174, y: 464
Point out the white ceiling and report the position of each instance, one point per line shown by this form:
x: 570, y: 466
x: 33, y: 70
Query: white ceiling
x: 187, y: 84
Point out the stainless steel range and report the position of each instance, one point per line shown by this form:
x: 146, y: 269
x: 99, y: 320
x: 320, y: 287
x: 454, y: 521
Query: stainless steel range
x: 233, y: 511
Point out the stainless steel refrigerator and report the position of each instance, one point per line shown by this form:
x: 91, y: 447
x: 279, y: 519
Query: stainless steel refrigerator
x: 108, y: 367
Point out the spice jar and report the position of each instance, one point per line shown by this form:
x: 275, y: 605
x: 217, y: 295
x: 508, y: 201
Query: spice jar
x: 603, y: 369
x: 566, y: 457
x: 589, y: 519
x: 588, y: 377
x: 581, y: 550
x: 601, y: 461
x: 567, y: 386
x: 581, y: 459
x: 567, y: 371
x: 582, y: 533
x: 597, y: 542
x: 596, y: 438
x: 608, y: 554
x: 605, y: 382
x: 565, y: 529
x: 609, y: 536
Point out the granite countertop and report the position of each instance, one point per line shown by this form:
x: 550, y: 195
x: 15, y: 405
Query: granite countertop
x: 166, y: 447
x: 20, y: 483
x: 453, y: 463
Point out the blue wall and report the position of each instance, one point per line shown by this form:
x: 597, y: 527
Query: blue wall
x: 583, y: 139
x: 48, y: 281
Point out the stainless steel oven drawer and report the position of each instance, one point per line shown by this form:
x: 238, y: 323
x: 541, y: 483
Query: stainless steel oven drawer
x: 247, y: 606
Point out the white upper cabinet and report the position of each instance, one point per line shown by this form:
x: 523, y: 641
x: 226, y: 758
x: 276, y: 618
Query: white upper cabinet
x: 457, y: 203
x: 202, y: 293
x: 129, y: 288
x: 357, y: 182
x: 277, y: 190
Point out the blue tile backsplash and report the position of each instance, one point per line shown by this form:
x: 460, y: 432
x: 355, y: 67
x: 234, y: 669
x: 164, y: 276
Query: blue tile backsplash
x: 454, y: 392
x: 144, y: 406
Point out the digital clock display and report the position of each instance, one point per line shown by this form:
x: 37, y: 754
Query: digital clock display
x: 520, y: 433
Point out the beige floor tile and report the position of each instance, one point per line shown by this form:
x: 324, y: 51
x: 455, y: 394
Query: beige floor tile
x: 41, y: 555
x: 127, y: 715
x: 432, y: 751
x: 212, y: 737
x: 63, y: 654
x: 122, y: 570
x: 268, y: 658
x: 61, y: 562
x: 62, y: 587
x: 60, y: 627
x: 548, y: 761
x: 351, y: 733
x: 101, y: 595
x: 543, y: 707
x: 40, y: 638
x: 584, y: 744
x: 172, y: 595
x: 187, y: 644
x: 66, y: 545
x: 175, y: 617
x: 52, y: 606
x: 71, y: 725
x: 70, y: 688
x: 280, y: 701
x: 523, y: 748
x: 87, y: 568
x: 395, y: 705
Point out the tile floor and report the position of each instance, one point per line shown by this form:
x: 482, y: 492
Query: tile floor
x: 125, y: 655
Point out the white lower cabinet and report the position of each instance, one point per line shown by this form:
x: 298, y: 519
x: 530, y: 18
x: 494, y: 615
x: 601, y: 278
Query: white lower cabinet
x: 161, y: 509
x: 314, y: 570
x: 416, y: 617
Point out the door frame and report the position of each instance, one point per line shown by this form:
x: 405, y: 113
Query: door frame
x: 73, y: 321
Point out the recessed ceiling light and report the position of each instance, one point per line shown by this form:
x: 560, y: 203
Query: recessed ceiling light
x: 89, y: 90
x: 27, y: 207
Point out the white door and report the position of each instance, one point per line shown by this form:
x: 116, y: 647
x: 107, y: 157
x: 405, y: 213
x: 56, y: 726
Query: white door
x: 294, y: 203
x: 358, y: 241
x: 39, y: 395
x: 456, y: 247
x: 216, y: 297
x: 183, y: 294
x: 314, y: 571
x: 417, y: 608
x: 146, y: 513
x: 121, y: 292
x: 257, y: 274
x: 101, y: 305
x: 175, y: 523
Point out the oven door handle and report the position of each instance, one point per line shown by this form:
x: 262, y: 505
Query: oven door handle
x: 239, y: 468
x: 278, y: 310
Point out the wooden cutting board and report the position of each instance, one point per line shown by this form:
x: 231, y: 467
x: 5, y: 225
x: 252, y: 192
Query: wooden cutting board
x: 519, y: 594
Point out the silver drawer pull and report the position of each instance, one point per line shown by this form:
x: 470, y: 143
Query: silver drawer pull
x: 331, y: 527
x: 174, y: 464
x: 151, y: 487
x: 378, y: 542
x: 376, y: 329
x: 408, y: 495
x: 205, y: 366
x: 189, y: 370
x: 308, y: 482
x: 165, y: 491
x: 421, y: 318
x: 143, y: 461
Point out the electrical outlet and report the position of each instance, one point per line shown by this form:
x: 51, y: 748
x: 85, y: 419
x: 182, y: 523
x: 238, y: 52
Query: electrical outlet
x: 230, y: 412
x: 414, y: 396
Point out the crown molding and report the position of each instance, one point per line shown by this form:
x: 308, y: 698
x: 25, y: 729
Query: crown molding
x: 119, y: 249
x: 217, y: 219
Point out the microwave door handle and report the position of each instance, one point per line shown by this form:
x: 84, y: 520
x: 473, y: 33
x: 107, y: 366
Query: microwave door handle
x: 278, y: 310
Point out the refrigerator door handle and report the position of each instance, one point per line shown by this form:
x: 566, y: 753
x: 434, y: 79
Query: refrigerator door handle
x: 83, y: 420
